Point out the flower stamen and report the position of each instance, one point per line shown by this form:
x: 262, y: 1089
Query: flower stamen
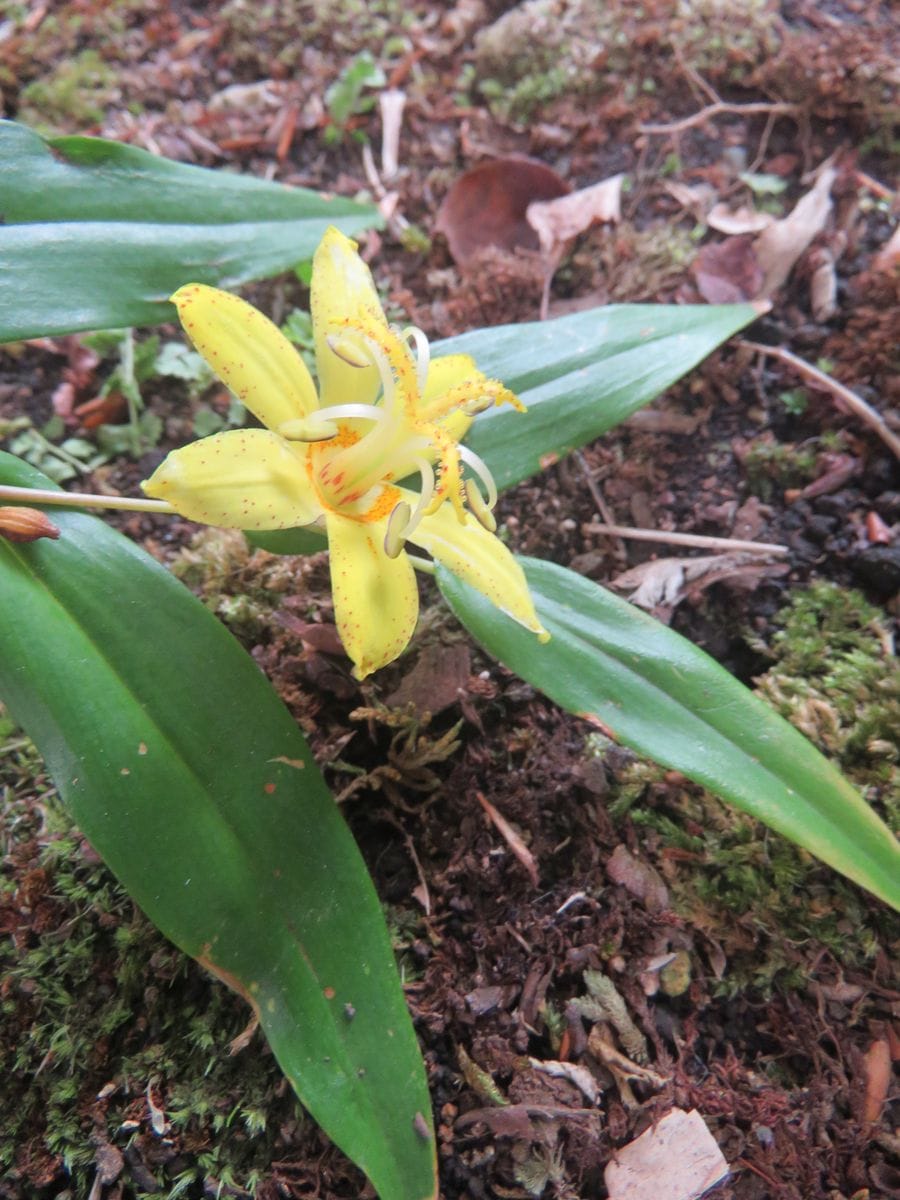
x: 476, y: 464
x: 422, y: 353
x: 307, y: 429
x: 478, y: 508
x: 397, y: 524
x: 344, y: 349
x: 427, y: 473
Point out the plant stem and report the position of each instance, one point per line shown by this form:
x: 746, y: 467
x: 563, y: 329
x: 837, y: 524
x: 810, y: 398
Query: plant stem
x: 425, y: 565
x: 83, y: 500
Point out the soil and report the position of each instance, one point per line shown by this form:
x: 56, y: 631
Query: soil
x: 790, y: 992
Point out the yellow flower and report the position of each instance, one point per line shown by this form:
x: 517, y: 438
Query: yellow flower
x: 384, y: 412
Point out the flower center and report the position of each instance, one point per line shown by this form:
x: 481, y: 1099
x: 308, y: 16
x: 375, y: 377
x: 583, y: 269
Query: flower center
x: 358, y: 452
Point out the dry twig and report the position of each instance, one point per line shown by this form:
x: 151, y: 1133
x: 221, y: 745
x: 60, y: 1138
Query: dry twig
x: 778, y: 108
x: 683, y: 539
x: 855, y: 403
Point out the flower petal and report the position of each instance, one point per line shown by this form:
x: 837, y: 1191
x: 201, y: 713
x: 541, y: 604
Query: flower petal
x: 342, y: 291
x: 249, y: 354
x: 242, y: 479
x: 480, y: 559
x: 443, y: 374
x: 376, y: 600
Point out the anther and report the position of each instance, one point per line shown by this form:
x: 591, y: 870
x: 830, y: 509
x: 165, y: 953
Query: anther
x: 397, y: 524
x: 478, y: 508
x: 474, y: 407
x: 346, y: 351
x: 307, y: 429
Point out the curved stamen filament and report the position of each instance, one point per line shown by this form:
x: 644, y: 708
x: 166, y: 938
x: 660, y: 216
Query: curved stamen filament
x: 345, y: 412
x: 364, y: 464
x: 422, y: 353
x: 427, y: 473
x: 471, y: 459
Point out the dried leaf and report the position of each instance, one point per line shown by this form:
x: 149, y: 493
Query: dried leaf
x: 745, y: 219
x: 823, y: 285
x: 557, y: 221
x: 638, y: 878
x: 677, y: 1159
x: 877, y: 1066
x: 728, y: 272
x: 436, y: 681
x: 580, y: 1076
x: 512, y: 839
x: 778, y: 247
x: 697, y: 199
x: 662, y: 584
x: 487, y: 205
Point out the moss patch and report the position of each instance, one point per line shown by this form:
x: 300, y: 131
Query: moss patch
x: 769, y: 905
x: 114, y: 1045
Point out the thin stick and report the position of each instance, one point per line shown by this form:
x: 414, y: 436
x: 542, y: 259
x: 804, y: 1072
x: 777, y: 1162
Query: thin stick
x: 597, y: 496
x: 855, y: 403
x: 83, y: 500
x: 684, y: 539
x: 718, y: 109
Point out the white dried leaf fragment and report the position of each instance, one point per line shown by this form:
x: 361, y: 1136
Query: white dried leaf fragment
x: 676, y: 1159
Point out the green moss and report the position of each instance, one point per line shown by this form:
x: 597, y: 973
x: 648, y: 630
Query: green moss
x: 546, y: 48
x: 239, y: 584
x: 256, y: 35
x: 835, y: 677
x: 95, y: 1001
x: 772, y: 466
x: 77, y: 91
x: 768, y: 903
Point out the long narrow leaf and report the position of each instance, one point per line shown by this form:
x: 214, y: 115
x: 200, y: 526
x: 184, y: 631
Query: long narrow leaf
x: 582, y: 374
x: 189, y: 777
x: 97, y: 235
x: 662, y: 696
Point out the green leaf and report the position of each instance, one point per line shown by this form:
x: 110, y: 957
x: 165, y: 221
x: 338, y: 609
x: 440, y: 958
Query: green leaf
x: 190, y: 778
x: 97, y: 234
x: 580, y: 375
x: 657, y: 693
x: 305, y: 539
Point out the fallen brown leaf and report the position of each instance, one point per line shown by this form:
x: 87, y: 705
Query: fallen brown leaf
x: 728, y: 272
x: 877, y: 1067
x: 778, y: 247
x: 558, y: 221
x: 487, y: 205
x: 639, y: 878
x: 737, y: 221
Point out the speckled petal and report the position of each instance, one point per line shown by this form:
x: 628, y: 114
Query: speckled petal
x: 443, y: 374
x: 376, y: 601
x: 342, y: 290
x: 480, y: 559
x: 243, y: 479
x: 249, y: 354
